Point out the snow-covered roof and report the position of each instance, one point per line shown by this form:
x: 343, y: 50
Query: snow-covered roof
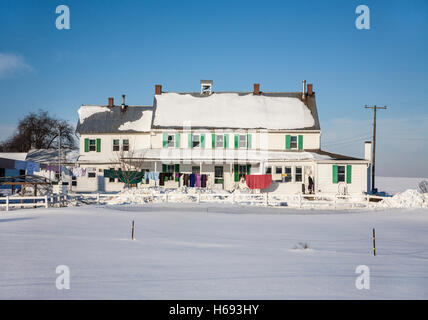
x: 13, y: 155
x: 235, y: 110
x: 50, y: 156
x: 103, y: 119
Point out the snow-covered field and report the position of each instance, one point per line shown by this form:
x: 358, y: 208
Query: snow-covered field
x: 392, y: 185
x: 197, y: 251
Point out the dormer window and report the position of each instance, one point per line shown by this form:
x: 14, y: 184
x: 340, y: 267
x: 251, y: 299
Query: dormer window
x: 206, y: 87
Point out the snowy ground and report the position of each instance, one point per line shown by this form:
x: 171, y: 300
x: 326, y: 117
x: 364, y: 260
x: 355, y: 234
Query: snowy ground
x: 185, y: 251
x: 393, y: 185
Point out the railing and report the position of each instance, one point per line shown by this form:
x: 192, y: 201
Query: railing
x: 301, y: 201
x: 22, y: 202
x: 261, y: 199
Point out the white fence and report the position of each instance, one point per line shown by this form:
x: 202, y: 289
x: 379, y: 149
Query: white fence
x: 302, y: 201
x: 260, y: 199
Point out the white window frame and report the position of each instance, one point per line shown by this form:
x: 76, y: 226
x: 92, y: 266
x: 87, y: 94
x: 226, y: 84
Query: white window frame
x: 239, y: 141
x: 94, y: 145
x: 123, y: 144
x: 340, y: 174
x: 290, y: 176
x: 295, y: 174
x: 168, y: 141
x: 118, y: 145
x: 193, y: 140
x: 291, y: 142
x: 217, y: 140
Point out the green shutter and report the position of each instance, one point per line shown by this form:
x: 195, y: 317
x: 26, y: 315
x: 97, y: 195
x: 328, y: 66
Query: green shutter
x: 98, y: 145
x: 165, y: 140
x: 248, y: 168
x: 236, y: 169
x: 335, y: 173
x: 190, y: 140
x: 300, y: 142
x: 163, y: 168
x: 249, y: 141
x: 287, y: 142
x: 226, y: 141
x: 202, y: 140
x: 86, y: 145
x: 236, y: 141
x: 177, y: 140
x: 348, y: 173
x: 213, y: 140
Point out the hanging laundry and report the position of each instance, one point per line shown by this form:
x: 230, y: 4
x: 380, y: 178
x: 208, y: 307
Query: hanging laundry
x: 186, y: 179
x: 161, y: 179
x: 258, y: 181
x: 198, y: 180
x: 151, y: 175
x: 204, y: 178
x: 32, y: 167
x: 192, y: 179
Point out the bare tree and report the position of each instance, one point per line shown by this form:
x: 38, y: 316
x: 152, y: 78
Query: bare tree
x: 40, y: 131
x: 129, y: 165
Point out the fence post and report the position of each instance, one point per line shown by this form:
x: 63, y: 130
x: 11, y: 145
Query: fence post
x: 199, y: 197
x: 300, y: 200
x: 166, y: 197
x: 266, y: 199
x: 98, y: 198
x: 335, y: 200
x: 7, y: 203
x: 233, y: 197
x: 46, y: 201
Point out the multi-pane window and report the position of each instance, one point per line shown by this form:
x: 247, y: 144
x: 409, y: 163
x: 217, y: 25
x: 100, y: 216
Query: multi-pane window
x: 115, y: 144
x: 92, y: 145
x: 287, y: 174
x: 170, y: 168
x: 268, y: 170
x: 242, y: 141
x: 293, y: 142
x: 125, y: 145
x: 218, y: 174
x: 196, y: 140
x: 298, y: 174
x: 341, y: 173
x: 91, y: 174
x: 278, y: 170
x: 170, y: 140
x: 196, y: 169
x: 219, y: 141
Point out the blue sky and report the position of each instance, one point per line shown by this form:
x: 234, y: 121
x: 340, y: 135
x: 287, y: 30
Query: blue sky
x: 116, y: 47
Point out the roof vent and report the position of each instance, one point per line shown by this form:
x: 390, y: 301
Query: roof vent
x: 206, y: 87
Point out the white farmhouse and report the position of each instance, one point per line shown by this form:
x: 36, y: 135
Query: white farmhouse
x: 223, y: 135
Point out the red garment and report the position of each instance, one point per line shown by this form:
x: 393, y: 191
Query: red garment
x: 258, y: 181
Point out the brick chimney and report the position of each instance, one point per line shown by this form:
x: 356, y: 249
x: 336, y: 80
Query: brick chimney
x: 158, y: 89
x: 256, y: 90
x: 310, y: 89
x: 110, y: 102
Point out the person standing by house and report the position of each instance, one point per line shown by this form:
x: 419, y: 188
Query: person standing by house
x: 311, y: 185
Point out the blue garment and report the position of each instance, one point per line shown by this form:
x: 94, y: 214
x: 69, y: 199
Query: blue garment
x: 32, y: 167
x: 151, y: 175
x: 192, y: 179
x: 20, y: 165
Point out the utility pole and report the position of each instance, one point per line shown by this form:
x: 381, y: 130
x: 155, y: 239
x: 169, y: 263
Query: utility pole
x: 375, y: 108
x: 59, y: 156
